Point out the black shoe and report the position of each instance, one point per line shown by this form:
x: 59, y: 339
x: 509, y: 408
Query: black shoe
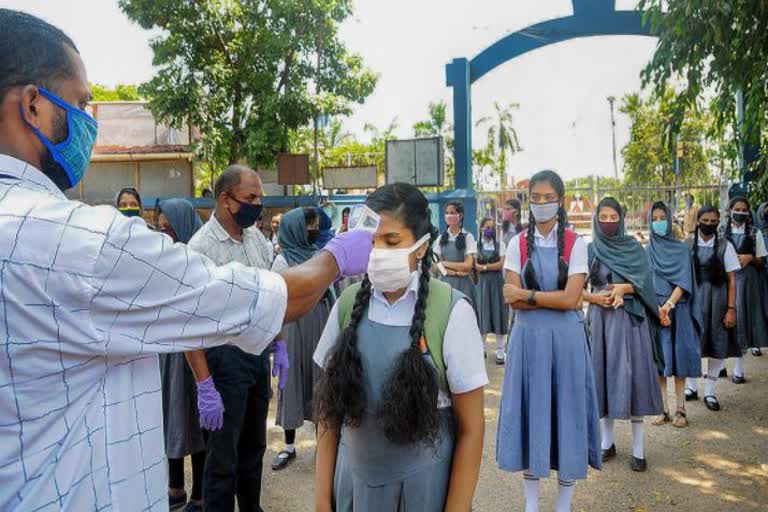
x: 283, y: 459
x: 738, y: 379
x: 711, y: 402
x: 756, y: 352
x: 176, y: 502
x: 609, y: 453
x: 638, y: 465
x: 723, y: 373
x: 691, y: 395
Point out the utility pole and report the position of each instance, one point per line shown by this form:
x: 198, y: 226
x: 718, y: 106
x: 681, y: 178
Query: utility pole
x: 612, y: 100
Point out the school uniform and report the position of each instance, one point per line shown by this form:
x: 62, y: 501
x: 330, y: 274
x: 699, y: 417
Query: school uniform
x: 449, y: 252
x: 373, y: 474
x: 751, y: 321
x: 493, y: 313
x: 548, y: 416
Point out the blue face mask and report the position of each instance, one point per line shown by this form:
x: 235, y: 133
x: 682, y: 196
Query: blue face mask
x: 73, y: 153
x: 659, y: 227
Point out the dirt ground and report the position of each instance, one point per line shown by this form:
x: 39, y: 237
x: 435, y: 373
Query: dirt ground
x: 718, y: 464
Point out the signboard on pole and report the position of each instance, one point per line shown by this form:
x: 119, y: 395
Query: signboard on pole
x: 419, y: 162
x: 292, y: 169
x: 349, y: 177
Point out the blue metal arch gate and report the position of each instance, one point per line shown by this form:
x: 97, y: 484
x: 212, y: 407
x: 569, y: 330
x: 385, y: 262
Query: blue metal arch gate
x: 590, y: 18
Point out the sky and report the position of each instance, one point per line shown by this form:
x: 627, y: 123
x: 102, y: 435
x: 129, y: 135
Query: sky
x: 563, y: 121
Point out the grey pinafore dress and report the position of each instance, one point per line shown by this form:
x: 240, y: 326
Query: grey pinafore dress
x: 373, y: 474
x: 626, y: 375
x: 751, y: 324
x: 449, y: 252
x: 294, y: 402
x: 680, y: 341
x: 181, y: 425
x: 717, y: 342
x: 492, y: 312
x: 548, y: 416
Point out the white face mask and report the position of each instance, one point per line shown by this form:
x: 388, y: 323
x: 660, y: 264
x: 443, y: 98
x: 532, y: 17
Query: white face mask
x: 542, y: 212
x: 389, y: 269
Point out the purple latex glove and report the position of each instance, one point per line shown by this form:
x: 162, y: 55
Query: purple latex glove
x: 351, y: 251
x: 280, y: 364
x: 209, y: 405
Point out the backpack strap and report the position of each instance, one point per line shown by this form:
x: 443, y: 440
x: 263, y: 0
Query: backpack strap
x: 438, y: 311
x: 569, y: 239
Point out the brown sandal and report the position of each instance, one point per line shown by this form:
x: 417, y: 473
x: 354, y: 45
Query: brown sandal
x: 681, y: 420
x: 661, y: 419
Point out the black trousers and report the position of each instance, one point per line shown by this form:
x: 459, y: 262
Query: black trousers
x: 234, y: 457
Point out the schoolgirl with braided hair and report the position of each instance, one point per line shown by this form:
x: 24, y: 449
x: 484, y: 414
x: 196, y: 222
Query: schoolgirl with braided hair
x: 401, y: 394
x: 716, y: 263
x: 751, y: 321
x: 456, y: 250
x: 493, y: 313
x: 548, y: 418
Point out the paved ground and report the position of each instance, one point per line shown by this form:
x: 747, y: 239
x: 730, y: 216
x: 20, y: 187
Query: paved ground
x: 718, y: 464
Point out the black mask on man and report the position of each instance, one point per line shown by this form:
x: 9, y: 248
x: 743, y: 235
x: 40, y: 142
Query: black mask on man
x: 247, y: 215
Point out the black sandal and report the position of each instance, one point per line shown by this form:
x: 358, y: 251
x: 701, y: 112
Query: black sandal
x: 711, y: 402
x: 691, y: 395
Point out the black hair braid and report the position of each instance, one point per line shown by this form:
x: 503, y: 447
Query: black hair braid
x: 562, y: 265
x: 408, y: 408
x: 341, y: 393
x: 461, y: 239
x: 530, y: 239
x: 748, y: 245
x: 695, y: 250
x: 717, y: 273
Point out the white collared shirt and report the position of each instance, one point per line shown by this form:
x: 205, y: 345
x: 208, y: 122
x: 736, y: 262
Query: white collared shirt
x: 214, y: 241
x: 760, y: 249
x: 88, y: 298
x: 471, y: 247
x: 576, y: 265
x: 463, y: 351
x: 490, y: 245
x: 731, y: 261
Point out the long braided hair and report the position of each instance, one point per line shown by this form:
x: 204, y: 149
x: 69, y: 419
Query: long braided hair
x: 748, y: 243
x: 715, y: 268
x: 461, y: 240
x: 408, y: 408
x: 529, y: 273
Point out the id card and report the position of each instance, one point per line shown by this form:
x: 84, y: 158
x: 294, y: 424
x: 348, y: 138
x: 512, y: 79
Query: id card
x: 362, y: 217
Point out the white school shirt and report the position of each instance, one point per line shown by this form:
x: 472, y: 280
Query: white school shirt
x: 577, y: 265
x: 463, y: 351
x: 760, y: 249
x: 471, y: 247
x: 488, y: 245
x: 88, y: 299
x: 731, y: 260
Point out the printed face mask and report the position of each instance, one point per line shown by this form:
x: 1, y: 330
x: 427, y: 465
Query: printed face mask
x: 130, y: 212
x: 389, y: 269
x: 542, y: 212
x: 659, y: 227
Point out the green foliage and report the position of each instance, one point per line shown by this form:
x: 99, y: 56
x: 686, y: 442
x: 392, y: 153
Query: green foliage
x: 247, y: 73
x: 720, y: 47
x: 437, y: 125
x: 120, y: 92
x: 502, y: 139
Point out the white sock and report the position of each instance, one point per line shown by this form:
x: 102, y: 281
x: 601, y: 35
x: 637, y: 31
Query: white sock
x: 606, y: 426
x: 637, y: 437
x: 500, y: 345
x: 531, y: 485
x: 738, y: 366
x: 565, y: 490
x: 713, y: 370
x: 692, y: 383
x: 290, y: 448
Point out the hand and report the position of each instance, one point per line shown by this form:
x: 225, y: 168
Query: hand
x: 280, y: 364
x: 730, y: 319
x: 210, y: 408
x: 514, y: 294
x: 351, y: 251
x: 616, y: 297
x: 602, y: 299
x: 745, y: 259
x: 664, y: 317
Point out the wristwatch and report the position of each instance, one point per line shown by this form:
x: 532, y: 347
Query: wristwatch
x: 670, y: 304
x: 532, y: 298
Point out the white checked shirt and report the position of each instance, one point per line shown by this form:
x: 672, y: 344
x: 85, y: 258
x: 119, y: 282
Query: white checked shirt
x: 214, y: 241
x: 88, y: 298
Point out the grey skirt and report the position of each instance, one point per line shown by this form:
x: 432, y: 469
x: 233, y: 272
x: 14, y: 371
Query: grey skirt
x: 492, y: 312
x: 181, y: 425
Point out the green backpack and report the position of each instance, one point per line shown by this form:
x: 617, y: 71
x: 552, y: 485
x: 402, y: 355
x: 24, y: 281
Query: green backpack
x: 436, y: 320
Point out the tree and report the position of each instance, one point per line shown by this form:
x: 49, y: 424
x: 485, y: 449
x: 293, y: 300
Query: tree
x: 437, y: 125
x: 501, y: 136
x: 720, y: 47
x: 247, y: 73
x: 120, y: 92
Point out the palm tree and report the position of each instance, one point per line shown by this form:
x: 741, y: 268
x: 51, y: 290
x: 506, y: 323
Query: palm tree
x: 502, y: 136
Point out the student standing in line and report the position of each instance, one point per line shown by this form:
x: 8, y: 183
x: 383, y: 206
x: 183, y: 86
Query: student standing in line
x: 622, y: 306
x: 400, y: 402
x: 761, y: 222
x: 548, y: 417
x: 299, y: 230
x: 456, y: 250
x: 511, y: 225
x: 715, y: 262
x: 493, y: 312
x: 679, y: 311
x: 751, y: 321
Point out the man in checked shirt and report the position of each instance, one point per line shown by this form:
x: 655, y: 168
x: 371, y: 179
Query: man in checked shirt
x: 88, y: 298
